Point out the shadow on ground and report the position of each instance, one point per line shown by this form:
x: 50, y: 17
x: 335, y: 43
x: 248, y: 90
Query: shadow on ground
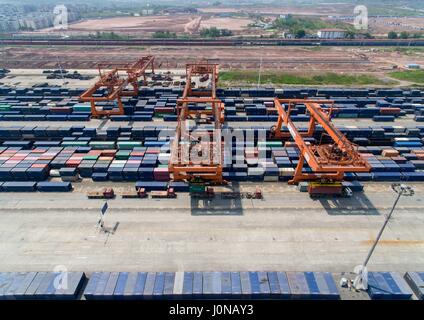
x: 358, y: 204
x: 218, y: 206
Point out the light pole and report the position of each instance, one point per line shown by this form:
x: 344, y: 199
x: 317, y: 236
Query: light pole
x: 360, y: 281
x: 260, y: 68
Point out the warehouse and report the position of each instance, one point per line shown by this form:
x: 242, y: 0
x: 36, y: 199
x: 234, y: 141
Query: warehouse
x: 331, y: 34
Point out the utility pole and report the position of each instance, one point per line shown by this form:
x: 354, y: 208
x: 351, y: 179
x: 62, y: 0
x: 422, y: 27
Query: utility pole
x: 260, y: 68
x: 360, y: 281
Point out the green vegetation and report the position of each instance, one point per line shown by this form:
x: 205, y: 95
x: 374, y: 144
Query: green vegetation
x: 214, y: 32
x: 164, y: 35
x: 300, y: 33
x: 404, y: 35
x: 392, y: 35
x: 416, y: 76
x: 276, y: 78
x: 294, y: 24
x: 106, y: 36
x: 402, y: 50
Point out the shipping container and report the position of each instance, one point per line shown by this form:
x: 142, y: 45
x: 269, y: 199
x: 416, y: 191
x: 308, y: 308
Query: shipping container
x: 415, y: 281
x: 388, y: 286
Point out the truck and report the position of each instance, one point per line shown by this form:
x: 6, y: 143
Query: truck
x: 170, y: 193
x: 323, y: 189
x: 139, y: 193
x: 106, y: 193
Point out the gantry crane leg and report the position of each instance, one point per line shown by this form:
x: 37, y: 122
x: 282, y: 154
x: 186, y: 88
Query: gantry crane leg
x: 301, y: 176
x: 116, y: 84
x: 328, y: 162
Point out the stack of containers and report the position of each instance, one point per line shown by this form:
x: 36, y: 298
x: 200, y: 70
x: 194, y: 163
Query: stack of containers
x: 22, y: 165
x: 69, y: 174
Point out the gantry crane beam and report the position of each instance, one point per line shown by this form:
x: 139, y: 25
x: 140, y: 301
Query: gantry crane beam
x: 186, y: 142
x: 327, y: 161
x: 116, y: 77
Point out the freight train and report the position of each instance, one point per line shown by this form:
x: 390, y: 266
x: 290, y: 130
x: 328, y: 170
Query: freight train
x: 217, y: 42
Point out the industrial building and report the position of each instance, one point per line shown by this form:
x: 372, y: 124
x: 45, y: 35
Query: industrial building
x: 331, y: 34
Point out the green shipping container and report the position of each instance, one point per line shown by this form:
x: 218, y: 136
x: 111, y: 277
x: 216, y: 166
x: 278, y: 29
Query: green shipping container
x: 74, y: 143
x: 129, y: 145
x: 101, y: 145
x: 197, y: 188
x: 82, y: 107
x: 347, y: 115
x: 122, y: 155
x: 270, y: 144
x: 90, y: 157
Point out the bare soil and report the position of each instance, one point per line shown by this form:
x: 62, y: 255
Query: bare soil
x: 295, y: 60
x: 138, y: 26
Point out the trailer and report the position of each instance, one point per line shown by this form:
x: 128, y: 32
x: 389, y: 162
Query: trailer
x: 140, y: 193
x: 106, y: 193
x: 170, y: 193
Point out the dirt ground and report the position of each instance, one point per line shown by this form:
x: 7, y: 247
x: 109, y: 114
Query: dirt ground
x: 321, y: 9
x: 297, y: 59
x: 381, y: 25
x: 137, y: 26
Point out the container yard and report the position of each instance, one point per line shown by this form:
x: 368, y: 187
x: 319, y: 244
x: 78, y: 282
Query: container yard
x: 54, y: 147
x: 134, y: 178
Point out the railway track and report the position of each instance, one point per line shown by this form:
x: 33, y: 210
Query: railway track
x: 212, y: 42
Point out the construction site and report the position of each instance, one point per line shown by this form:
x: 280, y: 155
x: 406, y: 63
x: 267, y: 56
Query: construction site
x: 140, y: 174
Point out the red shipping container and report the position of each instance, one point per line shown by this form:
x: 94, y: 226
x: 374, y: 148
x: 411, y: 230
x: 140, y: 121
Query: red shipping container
x: 389, y: 110
x: 105, y: 158
x: 38, y: 151
x: 161, y: 174
x: 152, y: 151
x: 289, y: 144
x: 164, y: 110
x: 108, y: 152
x: 137, y: 154
x: 39, y: 165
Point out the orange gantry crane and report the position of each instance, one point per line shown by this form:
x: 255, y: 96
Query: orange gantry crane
x: 196, y: 152
x: 328, y: 161
x: 116, y: 78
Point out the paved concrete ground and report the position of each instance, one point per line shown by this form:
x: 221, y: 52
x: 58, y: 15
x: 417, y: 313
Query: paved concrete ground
x: 407, y: 122
x: 30, y: 77
x: 286, y: 231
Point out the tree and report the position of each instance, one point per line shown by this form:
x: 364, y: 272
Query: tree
x: 226, y: 33
x: 300, y: 33
x: 404, y: 35
x: 350, y: 34
x: 214, y: 32
x: 164, y: 35
x: 392, y: 35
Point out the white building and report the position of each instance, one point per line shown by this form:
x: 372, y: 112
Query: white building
x: 331, y: 34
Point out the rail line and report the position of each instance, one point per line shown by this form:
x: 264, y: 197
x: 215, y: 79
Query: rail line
x: 213, y: 42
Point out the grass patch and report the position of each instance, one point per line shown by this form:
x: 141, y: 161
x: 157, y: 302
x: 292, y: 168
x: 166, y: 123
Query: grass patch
x: 409, y: 51
x: 276, y: 78
x: 293, y: 23
x: 416, y: 76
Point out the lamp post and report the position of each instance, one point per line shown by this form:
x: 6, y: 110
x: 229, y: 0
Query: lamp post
x: 260, y: 68
x: 361, y: 280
